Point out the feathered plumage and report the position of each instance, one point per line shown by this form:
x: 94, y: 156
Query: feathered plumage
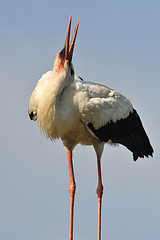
x: 87, y: 113
x: 70, y: 106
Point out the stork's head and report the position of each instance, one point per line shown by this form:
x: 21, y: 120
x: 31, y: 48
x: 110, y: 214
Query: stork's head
x: 63, y: 60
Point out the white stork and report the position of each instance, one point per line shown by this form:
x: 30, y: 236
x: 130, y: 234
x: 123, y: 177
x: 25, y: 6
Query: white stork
x: 83, y: 112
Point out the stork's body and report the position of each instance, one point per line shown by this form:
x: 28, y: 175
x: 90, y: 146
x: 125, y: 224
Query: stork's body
x: 86, y: 113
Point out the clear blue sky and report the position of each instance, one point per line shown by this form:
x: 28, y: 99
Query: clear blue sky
x: 118, y: 44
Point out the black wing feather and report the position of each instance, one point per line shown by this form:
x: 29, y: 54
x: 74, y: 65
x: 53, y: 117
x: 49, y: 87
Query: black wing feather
x: 128, y: 132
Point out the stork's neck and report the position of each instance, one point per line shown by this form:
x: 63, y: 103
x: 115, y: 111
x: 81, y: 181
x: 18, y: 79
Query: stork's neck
x: 47, y: 110
x: 63, y: 83
x: 62, y: 76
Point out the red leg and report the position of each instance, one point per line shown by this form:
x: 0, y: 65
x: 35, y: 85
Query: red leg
x: 99, y: 193
x: 72, y: 188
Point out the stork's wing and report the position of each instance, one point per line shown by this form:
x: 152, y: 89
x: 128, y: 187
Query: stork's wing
x: 103, y: 105
x: 113, y: 118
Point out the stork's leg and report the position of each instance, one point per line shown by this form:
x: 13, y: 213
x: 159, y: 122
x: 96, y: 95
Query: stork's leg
x: 72, y: 188
x: 99, y: 193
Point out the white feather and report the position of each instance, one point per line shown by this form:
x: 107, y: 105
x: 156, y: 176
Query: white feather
x: 65, y: 105
x: 98, y: 104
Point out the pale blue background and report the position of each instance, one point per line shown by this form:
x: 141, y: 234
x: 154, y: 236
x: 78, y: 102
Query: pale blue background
x: 118, y: 44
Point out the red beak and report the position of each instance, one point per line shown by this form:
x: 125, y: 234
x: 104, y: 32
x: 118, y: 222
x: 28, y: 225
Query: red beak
x: 67, y: 51
x: 69, y: 48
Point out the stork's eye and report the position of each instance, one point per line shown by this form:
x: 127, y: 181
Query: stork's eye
x: 72, y: 71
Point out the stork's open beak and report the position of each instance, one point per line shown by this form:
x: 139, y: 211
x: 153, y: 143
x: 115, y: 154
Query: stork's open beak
x: 67, y: 51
